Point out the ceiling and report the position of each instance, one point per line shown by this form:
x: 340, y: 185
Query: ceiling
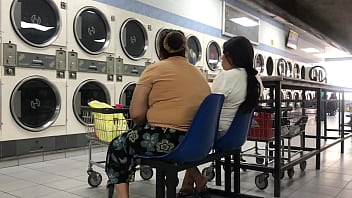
x: 328, y: 20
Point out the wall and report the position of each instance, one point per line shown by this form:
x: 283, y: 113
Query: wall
x: 204, y: 16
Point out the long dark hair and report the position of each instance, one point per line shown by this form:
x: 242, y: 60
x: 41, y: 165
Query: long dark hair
x: 172, y: 43
x: 240, y: 53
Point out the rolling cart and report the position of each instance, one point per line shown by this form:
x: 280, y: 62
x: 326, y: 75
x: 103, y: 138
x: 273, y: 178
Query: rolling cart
x: 102, y: 126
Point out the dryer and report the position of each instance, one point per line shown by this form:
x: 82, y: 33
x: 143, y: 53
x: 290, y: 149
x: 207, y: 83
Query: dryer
x: 36, y: 26
x: 91, y: 46
x: 134, y: 31
x: 33, y: 99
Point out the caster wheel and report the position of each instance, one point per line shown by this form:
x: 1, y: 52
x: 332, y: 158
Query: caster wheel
x: 259, y: 160
x: 146, y: 173
x: 209, y: 173
x: 290, y: 172
x: 303, y: 165
x: 261, y: 181
x: 94, y: 179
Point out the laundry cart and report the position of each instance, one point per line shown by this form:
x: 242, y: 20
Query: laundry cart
x: 102, y: 126
x: 263, y: 132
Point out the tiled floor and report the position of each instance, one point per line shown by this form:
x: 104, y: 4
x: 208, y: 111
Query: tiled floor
x: 67, y: 178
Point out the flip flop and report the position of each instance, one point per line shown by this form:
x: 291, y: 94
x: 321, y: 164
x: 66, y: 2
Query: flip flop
x: 187, y: 193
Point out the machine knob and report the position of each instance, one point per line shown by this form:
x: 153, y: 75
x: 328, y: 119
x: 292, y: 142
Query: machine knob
x: 73, y: 75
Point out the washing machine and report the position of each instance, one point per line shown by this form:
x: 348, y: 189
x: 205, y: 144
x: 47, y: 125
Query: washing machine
x: 91, y: 48
x: 296, y: 71
x: 259, y: 63
x: 33, y: 99
x: 269, y: 66
x: 36, y: 26
x: 133, y: 47
x: 194, y: 52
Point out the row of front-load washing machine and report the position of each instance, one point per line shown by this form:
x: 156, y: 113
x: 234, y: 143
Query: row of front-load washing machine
x: 56, y: 56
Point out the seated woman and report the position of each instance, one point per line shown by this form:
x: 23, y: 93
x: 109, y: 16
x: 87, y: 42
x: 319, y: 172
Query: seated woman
x: 240, y: 85
x: 163, y: 105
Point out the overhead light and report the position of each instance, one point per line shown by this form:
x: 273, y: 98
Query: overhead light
x: 244, y: 21
x: 310, y: 50
x: 320, y: 55
x: 42, y: 28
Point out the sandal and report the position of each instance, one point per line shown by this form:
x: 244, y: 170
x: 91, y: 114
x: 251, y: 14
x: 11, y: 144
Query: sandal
x: 187, y: 193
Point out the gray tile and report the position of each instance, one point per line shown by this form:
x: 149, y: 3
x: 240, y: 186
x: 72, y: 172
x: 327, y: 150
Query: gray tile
x: 53, y: 156
x: 34, y: 191
x: 299, y: 194
x: 8, y: 163
x: 29, y: 160
x: 15, y: 185
x: 61, y: 194
x: 5, y: 195
x: 65, y: 184
x: 345, y: 194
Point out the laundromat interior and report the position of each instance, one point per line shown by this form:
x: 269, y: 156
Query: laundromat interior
x: 58, y: 55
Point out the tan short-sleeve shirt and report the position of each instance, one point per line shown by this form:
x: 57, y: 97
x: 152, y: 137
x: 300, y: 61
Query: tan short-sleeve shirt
x: 177, y: 90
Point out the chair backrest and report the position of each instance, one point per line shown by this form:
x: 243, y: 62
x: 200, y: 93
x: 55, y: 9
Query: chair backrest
x: 199, y: 139
x: 236, y: 135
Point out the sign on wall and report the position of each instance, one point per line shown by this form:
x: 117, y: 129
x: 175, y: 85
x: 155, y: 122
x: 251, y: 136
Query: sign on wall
x: 236, y: 22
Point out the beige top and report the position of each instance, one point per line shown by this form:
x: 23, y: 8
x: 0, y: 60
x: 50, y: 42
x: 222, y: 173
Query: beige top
x: 177, y: 90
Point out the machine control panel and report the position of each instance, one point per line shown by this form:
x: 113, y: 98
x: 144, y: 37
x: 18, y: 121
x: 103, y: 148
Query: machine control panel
x: 10, y: 54
x: 60, y: 60
x: 72, y: 61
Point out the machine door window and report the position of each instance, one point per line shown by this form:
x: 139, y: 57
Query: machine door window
x: 87, y: 91
x: 269, y: 66
x: 259, y: 63
x: 134, y: 39
x: 37, y: 22
x: 92, y: 30
x: 157, y: 40
x: 194, y: 50
x: 126, y: 94
x: 213, y: 55
x: 35, y: 103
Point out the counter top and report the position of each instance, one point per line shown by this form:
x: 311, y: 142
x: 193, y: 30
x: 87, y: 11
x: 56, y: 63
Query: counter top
x: 300, y: 83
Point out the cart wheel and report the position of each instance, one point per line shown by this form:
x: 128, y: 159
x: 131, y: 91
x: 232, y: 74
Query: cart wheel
x: 209, y: 173
x: 261, y: 181
x: 259, y: 159
x: 146, y: 173
x: 303, y: 165
x: 94, y: 179
x: 110, y: 188
x: 290, y: 172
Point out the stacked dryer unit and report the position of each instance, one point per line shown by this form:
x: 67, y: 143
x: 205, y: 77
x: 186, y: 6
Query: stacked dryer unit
x: 91, y: 45
x: 133, y: 53
x: 212, y: 58
x: 33, y: 99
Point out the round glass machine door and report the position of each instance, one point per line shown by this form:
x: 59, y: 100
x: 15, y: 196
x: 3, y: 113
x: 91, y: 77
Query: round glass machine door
x: 259, y: 63
x: 281, y: 67
x: 37, y: 22
x: 126, y: 94
x: 157, y: 40
x: 35, y: 103
x: 269, y: 66
x: 92, y: 30
x: 213, y: 55
x: 194, y: 49
x: 87, y: 91
x: 134, y: 39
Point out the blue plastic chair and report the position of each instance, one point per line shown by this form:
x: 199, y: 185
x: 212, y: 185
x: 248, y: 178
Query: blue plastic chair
x: 195, y: 146
x: 231, y: 143
x: 237, y: 134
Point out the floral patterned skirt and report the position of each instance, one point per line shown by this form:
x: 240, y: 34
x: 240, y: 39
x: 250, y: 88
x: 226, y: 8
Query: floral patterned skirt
x: 148, y: 140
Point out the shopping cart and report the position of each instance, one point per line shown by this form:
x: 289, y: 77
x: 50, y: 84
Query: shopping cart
x: 292, y: 124
x: 102, y: 126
